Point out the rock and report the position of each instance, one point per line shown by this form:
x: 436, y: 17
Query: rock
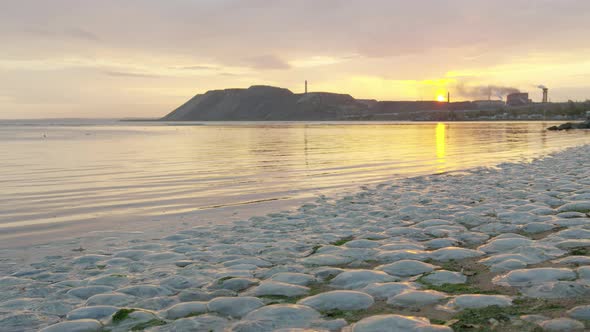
x: 324, y: 273
x: 396, y: 323
x: 416, y: 298
x: 339, y: 300
x: 362, y: 244
x: 250, y: 260
x: 402, y: 245
x: 163, y: 257
x: 279, y: 288
x: 293, y: 278
x: 88, y: 291
x: 441, y: 243
x: 109, y: 280
x: 454, y: 253
x: 584, y: 274
x: 185, y: 309
x: 278, y: 316
x: 571, y: 244
x: 183, y: 263
x: 508, y: 265
x: 235, y: 284
x: 442, y: 277
x: 254, y: 326
x: 579, y: 206
x: 557, y: 290
x: 12, y: 281
x: 234, y: 307
x: 382, y: 291
x: 479, y: 301
x: 326, y: 260
x: 179, y: 282
x: 574, y: 260
x: 194, y: 295
x: 82, y: 325
x: 406, y: 268
x: 204, y: 322
x: 133, y: 254
x: 571, y: 215
x: 156, y: 303
x: 537, y: 227
x: 329, y: 325
x: 495, y: 228
x: 356, y: 279
x: 118, y: 262
x: 56, y: 308
x: 397, y: 255
x: 503, y: 245
x: 134, y: 319
x: 95, y: 312
x: 24, y: 321
x: 145, y: 291
x: 570, y: 125
x: 526, y: 277
x: 89, y: 260
x: 581, y: 312
x: 562, y: 325
x: 113, y: 299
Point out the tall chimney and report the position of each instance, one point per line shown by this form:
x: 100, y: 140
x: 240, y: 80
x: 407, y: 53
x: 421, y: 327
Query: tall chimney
x: 448, y: 97
x: 545, y: 93
x: 305, y: 86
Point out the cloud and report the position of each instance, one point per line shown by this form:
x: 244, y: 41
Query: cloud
x: 79, y: 33
x: 128, y: 74
x: 266, y: 62
x: 196, y: 67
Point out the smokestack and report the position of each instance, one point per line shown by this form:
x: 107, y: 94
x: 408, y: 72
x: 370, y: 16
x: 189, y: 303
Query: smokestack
x: 448, y: 97
x: 305, y: 86
x: 545, y: 93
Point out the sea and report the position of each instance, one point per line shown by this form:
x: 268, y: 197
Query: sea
x: 67, y: 177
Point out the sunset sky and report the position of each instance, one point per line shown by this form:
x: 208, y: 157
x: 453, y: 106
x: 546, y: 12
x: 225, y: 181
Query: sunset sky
x: 143, y: 58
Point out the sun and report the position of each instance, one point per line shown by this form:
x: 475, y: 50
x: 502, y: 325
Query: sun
x: 440, y: 98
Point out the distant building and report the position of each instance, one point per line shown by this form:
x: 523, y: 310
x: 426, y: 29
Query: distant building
x: 518, y: 99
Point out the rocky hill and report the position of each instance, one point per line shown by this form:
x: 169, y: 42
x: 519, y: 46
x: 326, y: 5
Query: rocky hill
x: 266, y: 103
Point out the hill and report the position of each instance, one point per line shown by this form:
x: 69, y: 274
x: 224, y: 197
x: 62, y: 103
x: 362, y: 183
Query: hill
x: 266, y: 103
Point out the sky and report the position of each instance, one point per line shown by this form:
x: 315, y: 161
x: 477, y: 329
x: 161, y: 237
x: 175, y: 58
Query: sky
x: 143, y: 58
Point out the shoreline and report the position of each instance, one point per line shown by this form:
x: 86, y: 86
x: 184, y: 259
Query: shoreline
x: 434, y: 246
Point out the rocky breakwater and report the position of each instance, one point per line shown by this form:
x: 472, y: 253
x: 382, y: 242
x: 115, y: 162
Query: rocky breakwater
x: 571, y: 125
x: 504, y: 249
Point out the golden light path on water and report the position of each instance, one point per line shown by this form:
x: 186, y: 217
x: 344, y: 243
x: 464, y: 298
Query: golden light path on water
x: 67, y: 173
x: 440, y: 144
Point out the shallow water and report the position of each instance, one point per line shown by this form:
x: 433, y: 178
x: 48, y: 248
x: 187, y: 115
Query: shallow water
x: 72, y: 171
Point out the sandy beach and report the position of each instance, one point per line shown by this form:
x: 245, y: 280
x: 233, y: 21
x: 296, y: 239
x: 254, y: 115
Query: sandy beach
x: 504, y: 247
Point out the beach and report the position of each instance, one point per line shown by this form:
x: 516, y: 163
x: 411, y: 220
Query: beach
x: 500, y: 247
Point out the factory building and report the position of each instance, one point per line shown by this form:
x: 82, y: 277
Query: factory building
x: 518, y: 99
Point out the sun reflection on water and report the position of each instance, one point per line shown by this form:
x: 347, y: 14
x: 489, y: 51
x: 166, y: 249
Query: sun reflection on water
x: 441, y: 137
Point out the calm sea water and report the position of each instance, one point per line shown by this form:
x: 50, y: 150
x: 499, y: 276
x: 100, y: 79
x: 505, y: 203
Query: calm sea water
x: 64, y: 172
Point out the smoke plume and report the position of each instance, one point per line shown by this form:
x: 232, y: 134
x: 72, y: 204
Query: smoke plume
x: 541, y: 86
x: 484, y: 91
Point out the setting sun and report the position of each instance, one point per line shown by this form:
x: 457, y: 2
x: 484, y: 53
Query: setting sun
x: 440, y: 98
